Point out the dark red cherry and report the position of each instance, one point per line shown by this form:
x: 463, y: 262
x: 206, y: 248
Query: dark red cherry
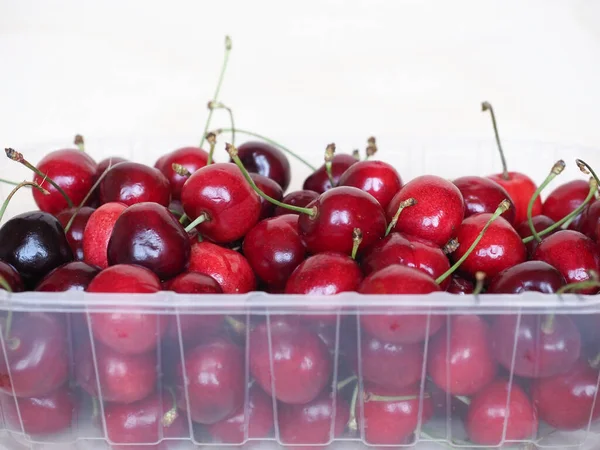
x: 459, y: 285
x: 437, y: 214
x: 319, y: 181
x: 492, y: 408
x: 460, y: 359
x: 75, y: 233
x: 527, y: 276
x: 483, y: 195
x: 565, y: 199
x: 520, y: 189
x: 590, y: 221
x: 191, y: 158
x: 539, y: 223
x: 214, y: 381
x: 266, y: 160
x: 97, y: 233
x: 11, y: 276
x: 272, y: 189
x: 396, y: 327
x: 378, y: 178
x: 296, y: 198
x: 292, y: 364
x: 73, y: 276
x: 124, y: 329
x: 220, y: 193
x: 106, y: 162
x: 131, y: 183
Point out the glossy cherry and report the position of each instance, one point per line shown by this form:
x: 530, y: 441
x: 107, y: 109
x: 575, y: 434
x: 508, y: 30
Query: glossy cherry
x: 266, y: 160
x: 565, y: 199
x: 590, y: 221
x: 296, y: 198
x: 483, y: 195
x: 73, y: 276
x: 377, y: 178
x: 191, y: 158
x: 319, y: 181
x: 11, y: 276
x: 272, y: 189
x: 527, y: 276
x: 131, y: 183
x: 437, y: 214
x: 97, y: 233
x: 540, y: 223
x: 75, y: 233
x: 106, y: 162
x: 459, y: 285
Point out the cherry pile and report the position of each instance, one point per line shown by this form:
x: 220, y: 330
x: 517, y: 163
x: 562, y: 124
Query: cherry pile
x: 201, y: 228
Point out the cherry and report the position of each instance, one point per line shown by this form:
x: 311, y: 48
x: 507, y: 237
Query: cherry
x: 73, y: 276
x: 567, y: 401
x: 459, y: 285
x: 320, y: 421
x: 41, y: 414
x: 148, y: 235
x: 255, y: 419
x: 266, y: 160
x: 491, y: 412
x: 288, y: 361
x: 396, y: 327
x: 482, y: 195
x: 11, y: 278
x: 221, y: 203
x: 191, y: 158
x: 296, y: 198
x: 565, y: 199
x: 438, y: 211
x: 212, y: 381
x: 460, y: 360
x: 36, y: 361
x: 274, y: 249
x: 107, y: 162
x: 272, y: 189
x: 319, y: 180
x: 229, y: 268
x: 545, y: 345
x: 97, y: 233
x: 124, y: 329
x: 590, y: 221
x: 539, y: 223
x: 131, y: 183
x: 75, y: 233
x: 377, y: 178
x: 573, y: 254
x: 122, y: 378
x: 527, y: 276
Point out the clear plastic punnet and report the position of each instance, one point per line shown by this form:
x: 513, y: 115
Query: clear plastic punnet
x: 352, y: 390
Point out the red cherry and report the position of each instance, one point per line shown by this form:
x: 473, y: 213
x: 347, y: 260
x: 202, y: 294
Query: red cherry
x: 220, y: 193
x: 527, y: 276
x: 295, y: 367
x: 377, y: 178
x: 11, y: 276
x: 97, y: 233
x: 123, y: 329
x: 399, y: 328
x: 296, y: 198
x: 131, y: 183
x: 191, y: 158
x: 459, y: 285
x: 491, y: 408
x: 483, y: 195
x: 437, y: 214
x: 272, y: 189
x: 73, y: 276
x: 106, y: 162
x: 266, y: 160
x: 319, y: 181
x: 590, y: 220
x: 460, y: 360
x: 229, y: 268
x: 539, y: 223
x: 565, y: 199
x: 214, y: 381
x: 75, y: 233
x: 520, y: 189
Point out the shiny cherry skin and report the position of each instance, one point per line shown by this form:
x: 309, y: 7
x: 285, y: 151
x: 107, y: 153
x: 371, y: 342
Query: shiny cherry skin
x: 229, y: 268
x: 122, y: 329
x: 221, y: 193
x: 37, y: 354
x: 573, y: 254
x: 40, y: 414
x: 122, y: 378
x: 148, y: 235
x: 540, y: 223
x: 300, y: 360
x: 483, y: 195
x: 258, y: 414
x: 565, y: 199
x: 97, y: 233
x: 274, y: 249
x: 338, y: 212
x: 500, y: 248
x: 438, y: 213
x: 266, y: 160
x: 411, y: 251
x: 106, y: 162
x: 34, y: 243
x: 11, y: 276
x: 132, y: 183
x: 527, y: 276
x: 73, y: 276
x: 73, y: 170
x: 75, y: 233
x: 540, y: 352
x: 566, y: 401
x: 317, y: 422
x: 460, y: 361
x: 296, y: 198
x: 319, y: 182
x: 520, y: 188
x: 590, y: 221
x: 215, y: 381
x: 192, y: 158
x: 377, y: 178
x: 460, y: 286
x: 400, y: 328
x: 488, y: 411
x: 272, y: 189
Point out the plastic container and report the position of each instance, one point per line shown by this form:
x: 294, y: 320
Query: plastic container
x: 346, y: 338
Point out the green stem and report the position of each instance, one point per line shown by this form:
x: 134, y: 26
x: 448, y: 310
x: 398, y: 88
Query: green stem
x: 586, y: 168
x: 368, y: 397
x: 212, y: 141
x: 14, y: 191
x: 404, y: 204
x: 237, y: 326
x: 342, y: 384
x: 557, y: 169
x: 4, y: 284
x: 463, y: 399
x: 9, y: 316
x: 183, y: 218
x: 352, y: 422
x: 578, y: 286
x: 486, y: 106
x: 329, y: 152
x: 357, y: 238
x: 479, y: 282
x: 219, y: 105
x: 170, y: 416
x: 14, y: 183
x: 547, y: 326
x: 197, y: 221
x: 79, y: 142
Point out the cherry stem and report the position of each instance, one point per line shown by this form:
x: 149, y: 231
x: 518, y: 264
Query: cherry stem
x: 368, y: 397
x: 180, y: 170
x: 269, y: 141
x: 479, y: 282
x: 18, y: 157
x: 14, y: 183
x: 4, y: 284
x: 578, y: 286
x: 219, y: 105
x: 404, y: 204
x: 329, y: 152
x: 352, y: 422
x: 486, y: 106
x: 183, y: 218
x: 197, y: 221
x: 356, y: 154
x: 14, y: 191
x: 218, y: 88
x: 586, y: 168
x: 463, y: 399
x: 236, y: 159
x: 357, y: 238
x: 9, y: 316
x: 502, y: 207
x: 557, y: 169
x: 79, y: 142
x: 211, y: 138
x: 170, y: 416
x: 595, y: 361
x: 237, y: 326
x: 547, y: 326
x: 342, y: 384
x: 95, y: 407
x: 451, y: 246
x: 371, y: 147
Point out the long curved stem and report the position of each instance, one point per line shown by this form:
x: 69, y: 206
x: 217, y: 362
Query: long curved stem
x: 578, y: 286
x: 14, y: 191
x: 487, y: 106
x: 587, y: 169
x: 14, y: 183
x: 219, y: 105
x: 557, y: 169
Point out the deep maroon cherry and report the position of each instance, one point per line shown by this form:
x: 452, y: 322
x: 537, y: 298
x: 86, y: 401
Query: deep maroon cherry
x: 483, y: 195
x: 539, y: 223
x: 97, y: 233
x: 73, y: 276
x: 590, y: 221
x: 272, y: 189
x: 527, y: 276
x: 565, y: 199
x: 75, y: 233
x: 191, y: 158
x: 106, y: 162
x: 266, y: 160
x: 296, y: 198
x: 378, y: 178
x: 131, y: 183
x: 319, y: 181
x: 11, y: 276
x: 459, y: 285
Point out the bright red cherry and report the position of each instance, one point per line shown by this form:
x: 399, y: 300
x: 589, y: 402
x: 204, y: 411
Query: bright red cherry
x: 97, y: 233
x: 272, y: 189
x: 73, y: 276
x: 296, y: 198
x: 527, y: 276
x: 11, y: 276
x: 106, y: 162
x: 565, y: 199
x: 483, y: 195
x: 319, y: 181
x: 131, y: 183
x: 191, y: 158
x: 377, y: 178
x: 75, y: 233
x: 266, y: 160
x: 539, y: 223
